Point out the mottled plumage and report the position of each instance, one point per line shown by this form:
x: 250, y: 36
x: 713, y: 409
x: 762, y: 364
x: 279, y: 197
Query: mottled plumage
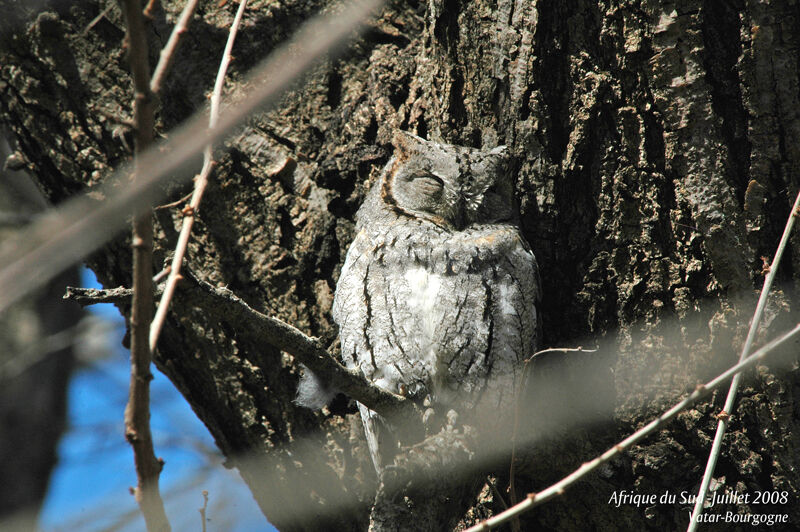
x: 438, y: 294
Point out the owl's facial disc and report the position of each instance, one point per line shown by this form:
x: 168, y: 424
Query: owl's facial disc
x: 422, y: 193
x: 450, y: 185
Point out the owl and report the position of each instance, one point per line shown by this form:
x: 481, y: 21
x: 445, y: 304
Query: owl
x: 437, y: 298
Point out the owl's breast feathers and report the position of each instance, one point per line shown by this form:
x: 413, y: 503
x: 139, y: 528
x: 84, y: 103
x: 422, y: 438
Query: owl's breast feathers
x: 422, y: 309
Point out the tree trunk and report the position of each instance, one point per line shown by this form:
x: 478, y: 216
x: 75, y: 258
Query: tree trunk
x: 657, y: 148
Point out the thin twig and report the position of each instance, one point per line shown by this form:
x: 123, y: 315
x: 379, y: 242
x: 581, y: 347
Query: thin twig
x: 496, y: 492
x: 160, y: 275
x: 203, y: 511
x: 520, y: 386
x: 578, y: 349
x: 93, y: 296
x: 199, y: 186
x: 173, y: 203
x: 168, y: 52
x: 97, y: 19
x: 150, y: 9
x: 535, y: 499
x: 722, y: 425
x: 137, y: 411
x: 78, y: 226
x: 116, y: 119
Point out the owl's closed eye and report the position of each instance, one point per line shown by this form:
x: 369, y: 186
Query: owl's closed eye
x: 417, y: 193
x: 427, y: 184
x: 496, y: 205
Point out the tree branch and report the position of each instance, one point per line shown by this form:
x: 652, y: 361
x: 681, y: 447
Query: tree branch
x: 200, y: 183
x: 93, y: 296
x: 578, y: 349
x: 305, y: 349
x: 263, y: 328
x: 137, y: 411
x: 168, y: 52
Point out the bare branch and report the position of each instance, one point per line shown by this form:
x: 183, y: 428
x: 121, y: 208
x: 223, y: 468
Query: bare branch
x: 578, y: 349
x: 276, y: 333
x: 200, y: 183
x: 519, y: 386
x: 82, y: 224
x: 168, y: 52
x: 151, y: 7
x: 203, y: 511
x: 722, y: 426
x: 535, y: 499
x: 97, y: 19
x: 173, y: 203
x: 137, y: 411
x: 160, y: 275
x: 93, y: 296
x: 306, y: 349
x: 496, y: 492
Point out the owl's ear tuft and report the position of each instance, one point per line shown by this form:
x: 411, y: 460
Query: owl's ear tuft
x: 407, y: 142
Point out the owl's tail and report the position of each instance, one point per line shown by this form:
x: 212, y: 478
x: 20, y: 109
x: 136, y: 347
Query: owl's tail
x: 380, y: 440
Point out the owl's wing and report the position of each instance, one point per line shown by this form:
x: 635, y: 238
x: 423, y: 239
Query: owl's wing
x: 349, y: 308
x: 381, y: 442
x: 495, y: 296
x: 351, y: 311
x: 523, y: 268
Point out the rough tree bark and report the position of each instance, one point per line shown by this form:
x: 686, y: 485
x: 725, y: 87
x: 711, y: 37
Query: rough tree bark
x: 657, y: 147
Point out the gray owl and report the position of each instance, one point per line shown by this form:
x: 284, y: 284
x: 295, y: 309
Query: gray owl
x: 437, y: 297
